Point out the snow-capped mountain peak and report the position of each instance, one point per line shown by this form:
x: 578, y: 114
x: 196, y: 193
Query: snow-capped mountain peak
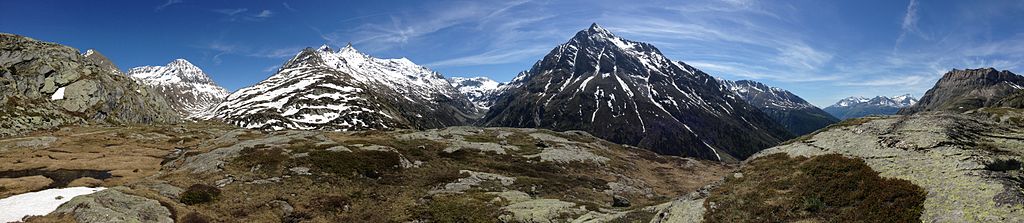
x: 482, y: 91
x: 347, y: 90
x: 628, y: 92
x: 187, y: 88
x: 325, y: 48
x: 177, y: 71
x: 850, y: 101
x: 595, y: 28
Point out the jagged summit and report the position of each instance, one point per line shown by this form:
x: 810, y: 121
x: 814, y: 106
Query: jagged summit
x: 325, y: 48
x: 595, y: 28
x: 628, y: 92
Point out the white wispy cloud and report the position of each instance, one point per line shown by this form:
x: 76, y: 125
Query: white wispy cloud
x: 219, y: 49
x: 501, y: 56
x: 231, y: 12
x: 909, y: 24
x: 503, y: 32
x: 241, y: 14
x: 168, y: 3
x: 265, y: 14
x: 288, y: 7
x: 897, y: 81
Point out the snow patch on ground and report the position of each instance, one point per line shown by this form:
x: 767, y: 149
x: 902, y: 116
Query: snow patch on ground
x: 16, y: 207
x: 58, y: 95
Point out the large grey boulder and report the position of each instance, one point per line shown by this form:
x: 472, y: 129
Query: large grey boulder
x: 112, y: 205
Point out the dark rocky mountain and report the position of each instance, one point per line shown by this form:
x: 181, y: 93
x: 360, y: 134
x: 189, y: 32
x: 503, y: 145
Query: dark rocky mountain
x: 482, y: 91
x: 963, y: 90
x: 628, y: 92
x: 796, y: 114
x: 45, y: 85
x: 188, y: 89
x: 856, y: 107
x: 99, y: 59
x: 347, y: 90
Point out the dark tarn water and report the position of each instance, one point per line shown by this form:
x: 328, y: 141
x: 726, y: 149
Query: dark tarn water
x: 61, y: 177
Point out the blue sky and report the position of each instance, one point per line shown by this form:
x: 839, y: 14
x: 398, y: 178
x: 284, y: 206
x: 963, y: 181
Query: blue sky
x: 820, y: 50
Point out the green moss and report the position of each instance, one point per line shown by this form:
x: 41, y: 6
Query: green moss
x: 830, y: 188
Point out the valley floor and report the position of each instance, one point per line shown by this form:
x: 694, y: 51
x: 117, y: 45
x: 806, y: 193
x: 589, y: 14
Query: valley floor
x: 213, y: 172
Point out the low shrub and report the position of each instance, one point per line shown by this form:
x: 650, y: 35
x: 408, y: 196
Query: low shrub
x: 199, y: 193
x: 367, y: 163
x: 194, y: 218
x: 460, y: 209
x: 829, y: 188
x: 1004, y: 165
x: 267, y: 159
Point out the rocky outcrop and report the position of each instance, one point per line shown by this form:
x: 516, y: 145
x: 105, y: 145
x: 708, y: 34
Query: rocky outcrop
x: 113, y: 205
x: 969, y: 165
x: 44, y: 85
x: 964, y: 90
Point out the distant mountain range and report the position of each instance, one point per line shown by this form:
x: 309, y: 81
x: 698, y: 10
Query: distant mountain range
x: 188, y: 89
x: 855, y: 107
x: 794, y: 113
x: 628, y: 92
